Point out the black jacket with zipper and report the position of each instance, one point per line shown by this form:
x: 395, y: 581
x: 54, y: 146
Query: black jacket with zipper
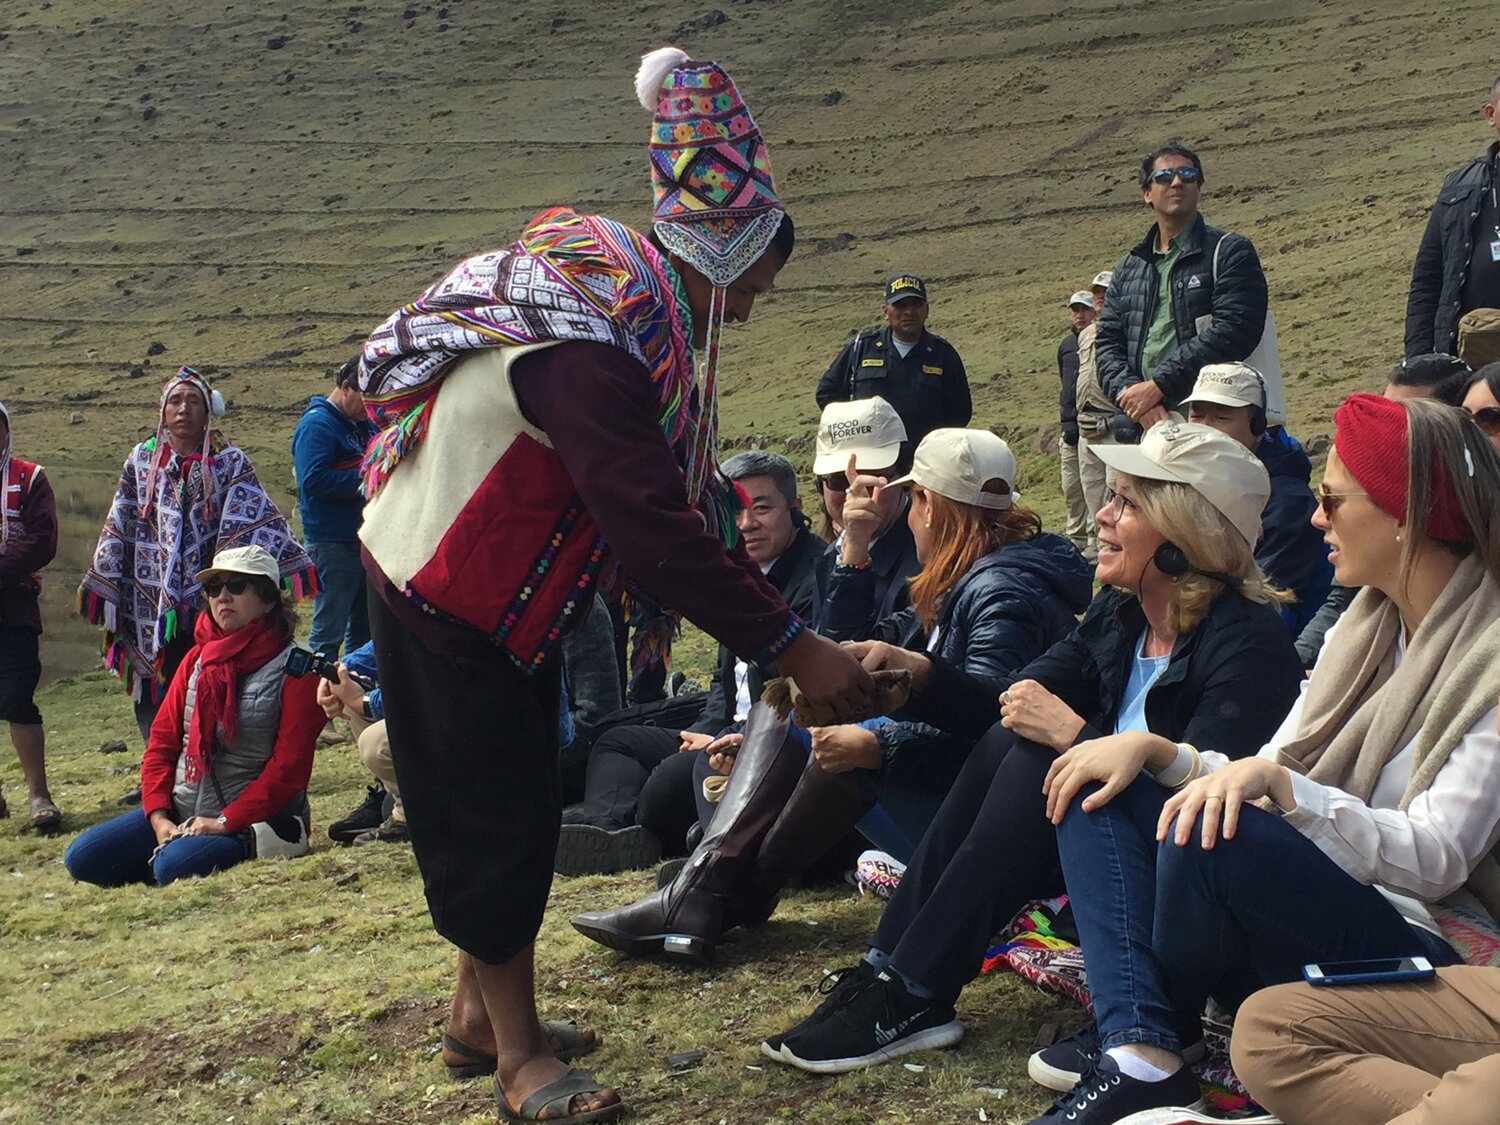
x: 1434, y: 303
x: 928, y: 387
x: 1237, y: 302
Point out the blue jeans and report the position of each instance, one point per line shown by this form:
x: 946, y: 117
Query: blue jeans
x: 118, y: 851
x: 1164, y: 927
x: 339, y: 611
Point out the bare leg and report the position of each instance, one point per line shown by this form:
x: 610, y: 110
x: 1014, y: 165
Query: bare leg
x: 525, y: 1062
x: 469, y: 1023
x: 30, y: 743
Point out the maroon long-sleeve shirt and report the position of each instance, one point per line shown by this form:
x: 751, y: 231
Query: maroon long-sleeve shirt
x: 31, y: 543
x: 596, y: 405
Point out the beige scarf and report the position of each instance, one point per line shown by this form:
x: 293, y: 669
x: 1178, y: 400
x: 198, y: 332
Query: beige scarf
x: 1358, y: 713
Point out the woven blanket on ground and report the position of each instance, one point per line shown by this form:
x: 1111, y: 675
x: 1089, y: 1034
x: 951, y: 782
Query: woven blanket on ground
x: 140, y: 589
x: 1030, y: 947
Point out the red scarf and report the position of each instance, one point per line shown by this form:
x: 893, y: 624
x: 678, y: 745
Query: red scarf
x: 222, y: 659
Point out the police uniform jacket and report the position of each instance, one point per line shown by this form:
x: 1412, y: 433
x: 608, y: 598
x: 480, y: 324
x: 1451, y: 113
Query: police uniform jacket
x: 928, y: 387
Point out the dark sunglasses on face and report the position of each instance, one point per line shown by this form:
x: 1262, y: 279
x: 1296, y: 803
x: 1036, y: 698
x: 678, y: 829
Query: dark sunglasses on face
x: 835, y: 482
x: 1164, y: 176
x: 235, y: 586
x: 1487, y: 418
x: 1330, y: 501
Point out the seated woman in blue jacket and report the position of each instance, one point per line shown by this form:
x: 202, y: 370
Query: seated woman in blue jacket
x: 1184, y: 641
x: 993, y: 592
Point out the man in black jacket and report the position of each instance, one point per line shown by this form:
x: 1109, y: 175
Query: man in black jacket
x: 607, y: 836
x: 1080, y: 519
x: 916, y: 371
x: 1149, y: 346
x: 1458, y: 263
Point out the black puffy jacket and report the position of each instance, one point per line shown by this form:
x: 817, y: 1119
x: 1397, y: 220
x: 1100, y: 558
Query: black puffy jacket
x: 1237, y: 302
x: 1227, y: 687
x: 1003, y: 613
x: 1435, y: 301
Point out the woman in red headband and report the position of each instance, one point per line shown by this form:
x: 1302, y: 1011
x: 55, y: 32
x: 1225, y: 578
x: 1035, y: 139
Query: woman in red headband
x: 1376, y: 805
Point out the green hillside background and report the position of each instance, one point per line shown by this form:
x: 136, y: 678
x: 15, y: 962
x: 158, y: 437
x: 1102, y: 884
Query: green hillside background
x: 255, y: 185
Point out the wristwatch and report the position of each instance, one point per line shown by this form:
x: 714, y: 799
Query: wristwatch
x: 364, y: 708
x: 222, y: 822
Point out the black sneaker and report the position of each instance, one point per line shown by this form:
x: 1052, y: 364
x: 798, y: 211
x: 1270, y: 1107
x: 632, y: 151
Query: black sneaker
x: 130, y: 799
x: 586, y: 849
x: 1106, y: 1096
x: 838, y: 988
x: 1062, y: 1066
x: 879, y: 1022
x: 369, y: 815
x: 389, y: 831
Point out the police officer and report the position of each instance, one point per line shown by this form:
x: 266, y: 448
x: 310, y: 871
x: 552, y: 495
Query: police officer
x: 917, y: 372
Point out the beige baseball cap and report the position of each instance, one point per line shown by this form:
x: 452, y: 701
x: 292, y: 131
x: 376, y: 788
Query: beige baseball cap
x: 1082, y: 297
x: 956, y: 463
x: 256, y: 562
x: 1212, y: 464
x: 1102, y: 280
x: 868, y: 428
x: 1229, y: 384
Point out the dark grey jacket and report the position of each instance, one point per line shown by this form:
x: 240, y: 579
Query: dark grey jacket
x: 1434, y: 302
x: 1237, y: 302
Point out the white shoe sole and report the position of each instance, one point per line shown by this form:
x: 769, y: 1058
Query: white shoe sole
x: 1050, y: 1076
x: 943, y: 1036
x: 1192, y: 1117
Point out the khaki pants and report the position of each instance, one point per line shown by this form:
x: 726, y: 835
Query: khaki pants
x: 1405, y: 1054
x: 1094, y: 478
x: 375, y: 756
x: 1080, y: 527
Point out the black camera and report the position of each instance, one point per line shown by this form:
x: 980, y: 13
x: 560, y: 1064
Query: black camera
x: 302, y: 661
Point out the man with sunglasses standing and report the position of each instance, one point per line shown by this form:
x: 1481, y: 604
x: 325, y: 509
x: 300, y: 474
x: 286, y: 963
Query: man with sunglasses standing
x: 1454, y: 301
x: 1148, y: 346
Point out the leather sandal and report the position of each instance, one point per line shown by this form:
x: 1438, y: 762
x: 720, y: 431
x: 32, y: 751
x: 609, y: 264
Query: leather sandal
x: 571, y: 1045
x: 551, y: 1102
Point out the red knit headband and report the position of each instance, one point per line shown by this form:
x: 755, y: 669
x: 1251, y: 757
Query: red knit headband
x: 1371, y: 441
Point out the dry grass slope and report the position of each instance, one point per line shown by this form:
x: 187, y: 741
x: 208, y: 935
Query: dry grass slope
x: 256, y: 184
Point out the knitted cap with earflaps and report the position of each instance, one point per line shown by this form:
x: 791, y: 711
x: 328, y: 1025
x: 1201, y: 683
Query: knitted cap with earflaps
x: 716, y: 205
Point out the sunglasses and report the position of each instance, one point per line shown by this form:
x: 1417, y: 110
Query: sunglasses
x: 835, y: 482
x: 236, y: 586
x: 1330, y: 501
x: 1487, y: 418
x: 1188, y: 175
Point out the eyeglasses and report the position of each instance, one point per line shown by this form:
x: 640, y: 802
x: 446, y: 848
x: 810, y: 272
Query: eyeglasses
x: 1487, y: 418
x: 1119, y: 502
x: 236, y: 586
x: 835, y: 482
x: 1330, y: 501
x: 1187, y: 174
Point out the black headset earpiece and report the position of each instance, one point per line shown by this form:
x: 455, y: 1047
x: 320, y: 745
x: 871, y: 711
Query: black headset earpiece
x: 1257, y: 421
x: 1173, y: 562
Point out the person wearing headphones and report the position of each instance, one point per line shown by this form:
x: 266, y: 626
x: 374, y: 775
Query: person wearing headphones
x: 1231, y: 397
x: 1183, y: 641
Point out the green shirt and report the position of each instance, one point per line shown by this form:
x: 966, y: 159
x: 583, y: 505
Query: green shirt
x: 1161, y: 335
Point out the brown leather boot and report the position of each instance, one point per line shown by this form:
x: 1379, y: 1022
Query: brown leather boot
x: 686, y: 918
x: 821, y: 811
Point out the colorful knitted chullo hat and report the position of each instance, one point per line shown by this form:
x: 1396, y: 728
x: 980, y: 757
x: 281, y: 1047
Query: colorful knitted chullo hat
x: 716, y: 203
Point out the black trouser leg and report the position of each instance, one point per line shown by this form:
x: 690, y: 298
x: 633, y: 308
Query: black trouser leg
x: 667, y: 808
x: 619, y: 764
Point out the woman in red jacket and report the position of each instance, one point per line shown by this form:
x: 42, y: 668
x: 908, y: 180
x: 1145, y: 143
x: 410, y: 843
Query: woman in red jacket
x: 224, y: 777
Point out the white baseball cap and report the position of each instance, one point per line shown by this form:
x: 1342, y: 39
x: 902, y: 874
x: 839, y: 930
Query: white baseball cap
x: 1211, y: 463
x: 1229, y: 384
x: 1102, y: 280
x: 256, y: 562
x: 956, y: 463
x: 868, y: 428
x: 1082, y: 297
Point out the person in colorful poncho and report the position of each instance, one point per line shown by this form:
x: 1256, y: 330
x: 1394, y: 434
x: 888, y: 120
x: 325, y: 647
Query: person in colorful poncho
x: 184, y: 493
x: 542, y: 422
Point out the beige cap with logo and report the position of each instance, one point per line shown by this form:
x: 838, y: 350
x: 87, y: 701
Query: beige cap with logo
x: 1229, y: 384
x: 256, y: 562
x: 1103, y: 279
x: 956, y: 463
x: 1082, y: 297
x: 868, y: 428
x: 1211, y: 463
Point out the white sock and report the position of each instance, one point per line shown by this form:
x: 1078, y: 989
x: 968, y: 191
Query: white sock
x: 1134, y: 1066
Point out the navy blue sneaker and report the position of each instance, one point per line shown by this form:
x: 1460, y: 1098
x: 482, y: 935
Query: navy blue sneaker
x: 1062, y: 1066
x: 1106, y: 1096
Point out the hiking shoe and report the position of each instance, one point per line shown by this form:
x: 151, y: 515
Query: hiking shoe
x: 586, y: 849
x: 370, y: 814
x: 1062, y: 1066
x: 389, y: 831
x: 330, y: 735
x: 130, y: 799
x: 879, y: 1022
x: 1106, y: 1096
x: 1178, y: 1116
x: 838, y: 988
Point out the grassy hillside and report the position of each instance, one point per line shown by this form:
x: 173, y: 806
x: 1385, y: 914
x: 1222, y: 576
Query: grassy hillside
x: 254, y: 185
